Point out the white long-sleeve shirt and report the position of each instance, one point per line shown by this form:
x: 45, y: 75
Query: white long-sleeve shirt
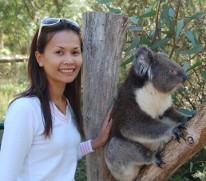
x: 26, y: 155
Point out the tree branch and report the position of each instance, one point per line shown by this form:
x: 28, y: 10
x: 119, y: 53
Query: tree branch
x: 156, y: 23
x: 175, y: 154
x: 174, y: 29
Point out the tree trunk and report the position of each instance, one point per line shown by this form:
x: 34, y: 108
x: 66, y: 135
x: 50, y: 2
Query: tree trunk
x: 103, y: 38
x: 175, y: 154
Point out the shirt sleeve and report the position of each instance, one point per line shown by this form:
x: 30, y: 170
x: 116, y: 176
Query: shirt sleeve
x: 85, y: 148
x: 17, y: 139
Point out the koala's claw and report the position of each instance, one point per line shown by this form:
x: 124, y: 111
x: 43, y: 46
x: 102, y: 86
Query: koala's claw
x: 177, y: 137
x: 159, y: 160
x: 190, y: 116
x: 177, y: 134
x: 182, y: 127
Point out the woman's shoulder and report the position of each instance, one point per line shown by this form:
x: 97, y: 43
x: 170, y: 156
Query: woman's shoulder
x: 24, y: 111
x: 25, y: 102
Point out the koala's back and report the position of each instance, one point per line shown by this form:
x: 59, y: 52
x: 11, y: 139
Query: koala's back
x: 125, y: 108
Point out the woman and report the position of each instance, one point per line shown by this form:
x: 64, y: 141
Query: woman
x: 43, y: 126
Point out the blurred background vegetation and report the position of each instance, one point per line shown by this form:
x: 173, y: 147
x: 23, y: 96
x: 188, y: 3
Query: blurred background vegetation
x: 175, y: 27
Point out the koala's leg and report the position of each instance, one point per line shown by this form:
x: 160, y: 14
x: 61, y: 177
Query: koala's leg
x: 125, y: 158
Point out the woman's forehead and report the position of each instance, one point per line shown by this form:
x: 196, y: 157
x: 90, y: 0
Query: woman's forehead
x: 64, y: 38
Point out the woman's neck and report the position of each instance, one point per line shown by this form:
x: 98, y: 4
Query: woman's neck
x: 57, y: 97
x: 56, y: 91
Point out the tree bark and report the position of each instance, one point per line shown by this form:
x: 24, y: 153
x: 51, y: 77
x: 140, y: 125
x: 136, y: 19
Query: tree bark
x: 175, y: 154
x: 103, y: 39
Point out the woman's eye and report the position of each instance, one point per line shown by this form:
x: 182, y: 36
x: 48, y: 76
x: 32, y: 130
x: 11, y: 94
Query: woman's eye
x: 76, y: 52
x: 59, y: 52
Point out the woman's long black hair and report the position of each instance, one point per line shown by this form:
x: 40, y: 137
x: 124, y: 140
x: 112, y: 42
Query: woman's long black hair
x: 39, y: 83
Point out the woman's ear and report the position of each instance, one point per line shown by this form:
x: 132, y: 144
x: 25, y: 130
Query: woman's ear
x: 39, y: 58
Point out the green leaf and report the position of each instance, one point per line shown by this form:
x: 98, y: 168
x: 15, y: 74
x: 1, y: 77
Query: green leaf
x: 174, y: 97
x: 114, y: 10
x: 182, y: 89
x: 151, y: 33
x: 160, y: 43
x: 194, y: 66
x: 133, y: 44
x: 187, y: 111
x: 191, y: 166
x: 134, y: 20
x: 148, y: 9
x: 189, y: 34
x: 167, y: 17
x: 180, y: 25
x: 129, y: 60
x: 203, y: 73
x: 195, y: 50
x: 171, y: 13
x: 193, y: 17
x: 166, y: 32
x: 104, y: 1
x: 165, y: 13
x: 186, y: 66
x: 145, y: 40
x: 138, y: 28
x: 149, y: 14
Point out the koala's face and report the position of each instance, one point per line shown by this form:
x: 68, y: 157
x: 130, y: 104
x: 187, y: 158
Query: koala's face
x: 165, y: 74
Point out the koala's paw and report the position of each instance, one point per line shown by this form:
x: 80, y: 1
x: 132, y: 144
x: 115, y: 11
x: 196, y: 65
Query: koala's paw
x: 182, y: 126
x: 158, y: 159
x: 188, y: 117
x: 185, y: 118
x: 177, y: 132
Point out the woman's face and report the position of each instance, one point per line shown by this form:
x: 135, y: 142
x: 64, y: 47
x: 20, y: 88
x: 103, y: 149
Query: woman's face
x: 62, y: 57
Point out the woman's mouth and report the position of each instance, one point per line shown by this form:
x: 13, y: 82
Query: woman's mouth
x: 67, y: 70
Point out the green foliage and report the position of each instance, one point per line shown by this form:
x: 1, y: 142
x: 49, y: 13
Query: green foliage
x: 12, y: 81
x: 20, y: 19
x: 104, y: 1
x: 167, y: 26
x: 194, y: 169
x: 81, y: 170
x: 5, y: 52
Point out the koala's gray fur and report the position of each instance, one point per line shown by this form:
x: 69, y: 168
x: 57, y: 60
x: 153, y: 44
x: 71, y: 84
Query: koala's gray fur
x: 143, y: 116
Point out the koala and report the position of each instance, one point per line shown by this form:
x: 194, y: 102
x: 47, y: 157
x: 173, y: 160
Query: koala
x: 143, y: 114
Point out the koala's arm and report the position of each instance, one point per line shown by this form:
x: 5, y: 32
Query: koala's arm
x: 146, y: 129
x: 175, y: 116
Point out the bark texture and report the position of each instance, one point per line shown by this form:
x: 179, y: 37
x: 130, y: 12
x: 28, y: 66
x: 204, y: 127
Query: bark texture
x: 103, y: 39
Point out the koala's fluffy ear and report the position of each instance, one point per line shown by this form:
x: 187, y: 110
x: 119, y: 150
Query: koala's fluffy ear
x: 143, y: 61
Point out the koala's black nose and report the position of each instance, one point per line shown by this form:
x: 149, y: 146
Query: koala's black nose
x: 183, y: 77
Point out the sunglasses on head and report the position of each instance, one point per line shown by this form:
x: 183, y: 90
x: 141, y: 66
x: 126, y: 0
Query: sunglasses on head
x: 54, y: 21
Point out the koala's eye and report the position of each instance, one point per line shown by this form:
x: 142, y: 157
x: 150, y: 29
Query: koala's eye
x: 173, y: 71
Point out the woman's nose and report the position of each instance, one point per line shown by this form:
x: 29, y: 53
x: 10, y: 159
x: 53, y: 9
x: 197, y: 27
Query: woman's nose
x: 68, y: 59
